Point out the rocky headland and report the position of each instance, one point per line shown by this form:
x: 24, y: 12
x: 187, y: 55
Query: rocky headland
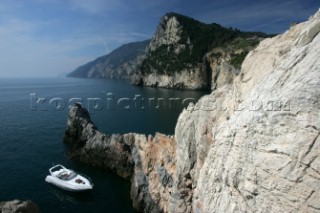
x: 252, y: 145
x: 183, y: 54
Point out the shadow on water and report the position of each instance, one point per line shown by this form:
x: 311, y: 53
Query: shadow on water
x: 72, y: 197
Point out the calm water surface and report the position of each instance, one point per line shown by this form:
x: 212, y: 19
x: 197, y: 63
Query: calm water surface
x: 31, y: 136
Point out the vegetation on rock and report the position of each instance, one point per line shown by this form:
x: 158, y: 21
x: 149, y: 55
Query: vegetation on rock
x: 196, y: 39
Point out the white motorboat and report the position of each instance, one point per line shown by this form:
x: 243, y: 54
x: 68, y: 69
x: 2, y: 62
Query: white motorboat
x: 68, y: 179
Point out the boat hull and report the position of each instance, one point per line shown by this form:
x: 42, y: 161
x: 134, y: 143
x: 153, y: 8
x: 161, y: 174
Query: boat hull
x: 67, y: 186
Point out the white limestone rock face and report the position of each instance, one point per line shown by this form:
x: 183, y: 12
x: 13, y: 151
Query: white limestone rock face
x: 250, y: 146
x: 193, y: 79
x: 266, y: 156
x: 168, y: 32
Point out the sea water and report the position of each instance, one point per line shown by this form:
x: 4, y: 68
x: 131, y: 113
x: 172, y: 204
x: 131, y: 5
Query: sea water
x: 33, y: 116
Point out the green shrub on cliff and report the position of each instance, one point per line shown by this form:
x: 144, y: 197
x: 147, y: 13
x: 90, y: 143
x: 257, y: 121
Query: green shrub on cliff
x: 237, y: 59
x: 198, y: 39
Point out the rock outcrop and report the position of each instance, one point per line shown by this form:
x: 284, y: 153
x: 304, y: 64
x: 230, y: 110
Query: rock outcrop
x: 18, y: 206
x: 191, y: 79
x: 250, y: 146
x: 148, y: 162
x: 187, y: 54
x: 110, y: 152
x: 183, y: 54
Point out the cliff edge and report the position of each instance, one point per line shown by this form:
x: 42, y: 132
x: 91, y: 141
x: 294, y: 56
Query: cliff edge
x: 147, y: 161
x: 249, y: 146
x: 264, y: 154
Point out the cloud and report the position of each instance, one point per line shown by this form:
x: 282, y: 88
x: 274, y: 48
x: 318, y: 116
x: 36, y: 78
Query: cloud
x: 53, y: 36
x: 23, y: 52
x: 97, y: 7
x: 47, y: 47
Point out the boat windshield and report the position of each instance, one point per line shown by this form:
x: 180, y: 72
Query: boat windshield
x: 67, y: 176
x: 72, y: 175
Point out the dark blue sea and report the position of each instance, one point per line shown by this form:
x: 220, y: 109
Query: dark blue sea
x: 33, y: 117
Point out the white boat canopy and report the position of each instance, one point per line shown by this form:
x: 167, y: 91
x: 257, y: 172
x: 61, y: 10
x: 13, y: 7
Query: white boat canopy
x: 68, y: 179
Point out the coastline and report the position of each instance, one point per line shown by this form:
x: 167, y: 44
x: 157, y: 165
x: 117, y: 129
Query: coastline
x: 234, y: 159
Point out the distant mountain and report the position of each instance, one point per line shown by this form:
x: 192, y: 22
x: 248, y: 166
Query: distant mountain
x: 118, y: 64
x: 183, y: 54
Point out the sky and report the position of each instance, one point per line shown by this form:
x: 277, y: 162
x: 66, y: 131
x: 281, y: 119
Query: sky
x: 50, y: 38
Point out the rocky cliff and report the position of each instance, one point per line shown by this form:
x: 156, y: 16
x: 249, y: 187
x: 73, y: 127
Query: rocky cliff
x: 121, y: 63
x: 183, y: 54
x: 264, y: 154
x: 132, y: 156
x: 187, y: 54
x: 250, y: 146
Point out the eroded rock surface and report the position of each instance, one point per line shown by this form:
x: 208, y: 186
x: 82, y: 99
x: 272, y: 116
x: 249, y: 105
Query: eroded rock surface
x: 250, y: 146
x: 264, y: 156
x: 148, y: 162
x: 18, y: 206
